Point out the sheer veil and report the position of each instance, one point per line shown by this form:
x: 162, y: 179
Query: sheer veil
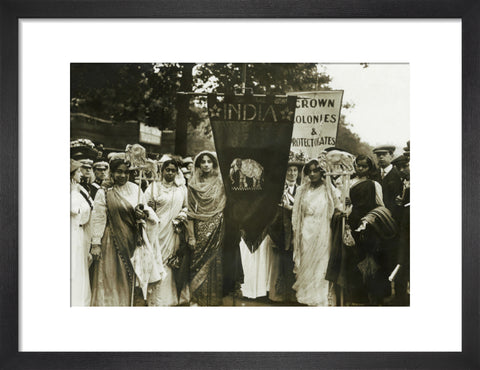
x: 206, y: 194
x: 298, y: 214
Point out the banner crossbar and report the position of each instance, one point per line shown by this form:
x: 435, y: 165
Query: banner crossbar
x: 221, y: 94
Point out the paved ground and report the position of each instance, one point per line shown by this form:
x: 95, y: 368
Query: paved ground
x: 257, y: 302
x: 240, y: 301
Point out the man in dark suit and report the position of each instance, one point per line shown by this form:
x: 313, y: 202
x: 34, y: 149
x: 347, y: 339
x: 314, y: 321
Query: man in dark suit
x: 390, y: 179
x: 392, y: 186
x: 403, y: 276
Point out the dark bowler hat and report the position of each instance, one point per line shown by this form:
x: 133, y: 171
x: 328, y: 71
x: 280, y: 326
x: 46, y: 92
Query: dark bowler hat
x: 384, y: 149
x: 401, y: 159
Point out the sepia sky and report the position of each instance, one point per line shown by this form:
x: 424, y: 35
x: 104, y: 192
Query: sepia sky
x: 381, y: 94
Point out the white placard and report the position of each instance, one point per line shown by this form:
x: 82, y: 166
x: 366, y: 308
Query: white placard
x: 315, y: 125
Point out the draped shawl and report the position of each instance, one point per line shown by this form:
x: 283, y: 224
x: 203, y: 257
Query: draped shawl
x: 126, y: 234
x: 206, y: 194
x: 123, y: 227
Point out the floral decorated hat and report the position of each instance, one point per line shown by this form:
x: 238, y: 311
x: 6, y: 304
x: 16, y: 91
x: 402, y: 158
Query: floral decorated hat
x: 83, y: 149
x: 297, y: 159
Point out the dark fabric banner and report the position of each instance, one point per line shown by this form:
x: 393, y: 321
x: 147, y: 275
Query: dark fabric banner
x: 252, y: 137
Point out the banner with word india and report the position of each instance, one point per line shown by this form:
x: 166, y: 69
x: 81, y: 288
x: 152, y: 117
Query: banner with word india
x: 316, y: 121
x: 252, y: 137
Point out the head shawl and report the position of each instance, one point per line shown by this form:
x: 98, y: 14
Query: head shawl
x: 179, y: 178
x: 320, y: 161
x: 206, y: 194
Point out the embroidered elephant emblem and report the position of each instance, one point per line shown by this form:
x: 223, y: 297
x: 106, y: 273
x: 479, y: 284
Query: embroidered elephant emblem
x: 246, y: 174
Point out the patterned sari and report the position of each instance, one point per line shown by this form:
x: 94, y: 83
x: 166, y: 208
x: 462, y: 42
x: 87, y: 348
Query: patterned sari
x: 206, y: 269
x: 206, y: 201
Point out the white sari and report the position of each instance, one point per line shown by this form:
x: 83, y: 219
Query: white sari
x: 170, y: 201
x: 312, y: 214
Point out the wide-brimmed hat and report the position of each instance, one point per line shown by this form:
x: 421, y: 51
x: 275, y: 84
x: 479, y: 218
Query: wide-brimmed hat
x: 83, y: 149
x: 297, y: 159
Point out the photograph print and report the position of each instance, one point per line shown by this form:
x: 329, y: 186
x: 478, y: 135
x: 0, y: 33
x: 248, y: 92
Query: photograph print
x: 239, y: 184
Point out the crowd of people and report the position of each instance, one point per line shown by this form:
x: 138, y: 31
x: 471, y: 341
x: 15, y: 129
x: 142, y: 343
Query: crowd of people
x: 158, y: 240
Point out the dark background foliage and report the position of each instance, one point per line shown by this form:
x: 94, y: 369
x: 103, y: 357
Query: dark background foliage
x: 147, y: 93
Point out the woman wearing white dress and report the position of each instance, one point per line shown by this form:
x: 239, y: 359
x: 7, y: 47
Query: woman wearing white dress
x: 169, y: 200
x: 313, y: 209
x: 80, y: 238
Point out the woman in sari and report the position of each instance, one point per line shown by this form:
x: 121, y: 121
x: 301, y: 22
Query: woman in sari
x: 117, y: 231
x: 206, y: 202
x: 313, y: 209
x: 80, y: 209
x: 169, y: 200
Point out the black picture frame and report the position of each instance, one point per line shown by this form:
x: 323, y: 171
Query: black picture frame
x: 10, y: 13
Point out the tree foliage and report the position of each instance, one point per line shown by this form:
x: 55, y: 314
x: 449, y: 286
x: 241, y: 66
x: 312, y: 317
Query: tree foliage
x: 350, y: 141
x: 262, y: 78
x: 123, y: 92
x: 147, y: 92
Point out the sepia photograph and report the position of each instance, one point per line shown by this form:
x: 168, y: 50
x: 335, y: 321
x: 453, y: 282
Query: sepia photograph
x: 239, y: 193
x: 240, y: 184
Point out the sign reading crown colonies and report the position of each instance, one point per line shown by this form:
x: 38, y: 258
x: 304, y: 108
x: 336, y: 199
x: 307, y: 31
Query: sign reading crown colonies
x: 315, y: 103
x: 250, y: 112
